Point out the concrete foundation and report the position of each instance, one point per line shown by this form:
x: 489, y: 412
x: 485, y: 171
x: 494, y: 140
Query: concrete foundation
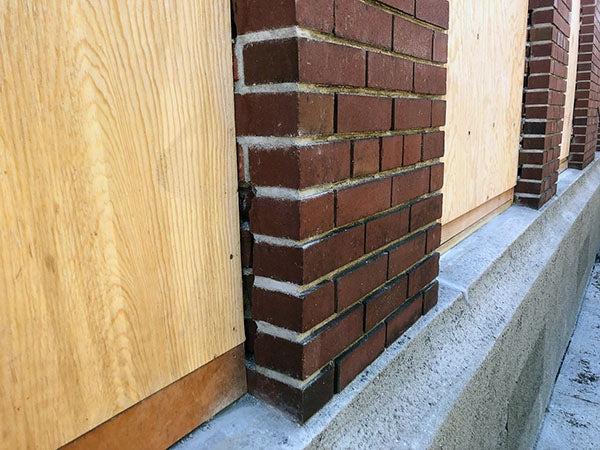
x: 478, y: 371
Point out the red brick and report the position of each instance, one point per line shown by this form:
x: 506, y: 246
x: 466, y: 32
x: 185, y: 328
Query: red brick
x: 433, y: 11
x: 357, y: 358
x: 440, y: 47
x: 434, y: 238
x: 425, y: 211
x: 294, y: 313
x: 406, y: 254
x: 423, y: 274
x: 403, y: 319
x: 356, y: 202
x: 364, y: 23
x: 390, y: 72
x: 412, y: 113
x: 358, y: 282
x: 301, y: 359
x: 410, y: 185
x: 379, y: 305
x: 433, y: 145
x: 430, y: 79
x: 302, y: 265
x: 413, y: 145
x: 300, y: 403
x: 294, y: 219
x: 386, y: 229
x: 365, y: 157
x: 284, y: 114
x: 437, y: 177
x: 391, y: 152
x: 438, y: 113
x: 300, y: 167
x: 430, y: 297
x: 255, y: 15
x: 408, y: 6
x: 357, y: 113
x: 412, y: 39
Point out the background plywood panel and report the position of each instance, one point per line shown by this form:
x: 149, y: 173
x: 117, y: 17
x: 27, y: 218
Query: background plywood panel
x: 485, y: 88
x: 119, y: 246
x: 571, y: 80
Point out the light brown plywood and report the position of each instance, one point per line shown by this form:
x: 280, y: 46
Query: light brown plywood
x: 119, y: 246
x: 485, y: 88
x: 571, y: 82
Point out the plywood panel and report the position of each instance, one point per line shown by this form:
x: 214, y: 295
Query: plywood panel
x: 571, y: 80
x: 485, y: 87
x: 119, y: 246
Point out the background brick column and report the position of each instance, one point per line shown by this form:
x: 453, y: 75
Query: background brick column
x: 338, y: 112
x: 544, y: 100
x: 587, y: 95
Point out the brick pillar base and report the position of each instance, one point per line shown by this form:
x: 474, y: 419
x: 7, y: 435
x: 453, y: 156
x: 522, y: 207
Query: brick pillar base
x: 338, y: 113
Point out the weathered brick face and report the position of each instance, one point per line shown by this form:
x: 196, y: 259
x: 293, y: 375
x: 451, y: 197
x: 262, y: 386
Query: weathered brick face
x: 587, y: 95
x: 339, y: 105
x: 544, y: 100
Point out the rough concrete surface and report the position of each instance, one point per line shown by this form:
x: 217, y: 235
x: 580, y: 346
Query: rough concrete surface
x: 573, y: 417
x: 476, y: 372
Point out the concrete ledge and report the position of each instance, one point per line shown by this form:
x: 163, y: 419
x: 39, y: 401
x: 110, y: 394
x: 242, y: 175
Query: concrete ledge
x: 478, y: 370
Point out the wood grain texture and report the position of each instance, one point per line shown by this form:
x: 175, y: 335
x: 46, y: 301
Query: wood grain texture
x: 485, y: 88
x: 565, y: 145
x: 119, y: 248
x: 162, y: 419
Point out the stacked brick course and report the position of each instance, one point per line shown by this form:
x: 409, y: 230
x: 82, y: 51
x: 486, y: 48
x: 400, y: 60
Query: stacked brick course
x: 587, y: 95
x: 339, y: 105
x: 544, y: 100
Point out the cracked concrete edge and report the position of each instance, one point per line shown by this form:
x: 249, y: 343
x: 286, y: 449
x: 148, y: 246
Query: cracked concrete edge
x: 450, y: 379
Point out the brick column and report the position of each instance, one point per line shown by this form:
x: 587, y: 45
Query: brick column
x: 338, y: 113
x: 587, y: 100
x: 544, y: 100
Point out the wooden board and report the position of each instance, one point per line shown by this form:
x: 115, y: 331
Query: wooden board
x: 119, y: 248
x: 165, y: 417
x: 485, y: 88
x: 571, y: 80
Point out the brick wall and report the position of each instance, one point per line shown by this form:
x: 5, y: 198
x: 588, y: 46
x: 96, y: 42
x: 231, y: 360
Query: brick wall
x: 544, y: 100
x: 587, y: 95
x: 339, y: 105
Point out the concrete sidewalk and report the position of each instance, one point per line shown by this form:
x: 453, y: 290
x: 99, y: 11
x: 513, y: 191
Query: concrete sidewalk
x: 573, y: 417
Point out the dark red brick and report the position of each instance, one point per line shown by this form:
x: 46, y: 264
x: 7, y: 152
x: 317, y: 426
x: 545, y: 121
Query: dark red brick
x: 440, y: 47
x: 437, y: 177
x: 300, y: 403
x: 423, y: 274
x: 412, y: 113
x: 406, y: 254
x: 391, y: 152
x: 294, y: 313
x: 302, y: 359
x: 358, y: 113
x: 410, y: 185
x: 300, y: 167
x: 379, y: 305
x: 356, y: 202
x: 430, y: 297
x: 390, y: 72
x: 294, y: 219
x: 357, y: 358
x: 403, y: 319
x: 408, y: 6
x: 434, y: 238
x: 352, y: 17
x: 425, y: 211
x: 284, y: 114
x: 358, y: 282
x: 365, y: 157
x: 430, y: 79
x: 433, y: 145
x: 413, y: 145
x: 386, y: 229
x: 412, y: 39
x: 433, y: 11
x: 438, y: 113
